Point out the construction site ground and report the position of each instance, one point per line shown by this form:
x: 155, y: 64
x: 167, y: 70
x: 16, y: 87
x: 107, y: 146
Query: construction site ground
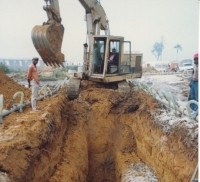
x: 102, y: 136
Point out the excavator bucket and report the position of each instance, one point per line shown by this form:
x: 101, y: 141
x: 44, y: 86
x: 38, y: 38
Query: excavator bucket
x: 47, y: 40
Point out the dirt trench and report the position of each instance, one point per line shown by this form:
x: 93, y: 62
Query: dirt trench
x: 101, y: 136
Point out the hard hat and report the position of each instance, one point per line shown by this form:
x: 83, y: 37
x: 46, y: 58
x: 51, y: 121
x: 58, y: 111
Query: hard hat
x: 196, y: 56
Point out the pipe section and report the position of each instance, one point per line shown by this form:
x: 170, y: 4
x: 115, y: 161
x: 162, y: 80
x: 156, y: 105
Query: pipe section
x: 44, y: 91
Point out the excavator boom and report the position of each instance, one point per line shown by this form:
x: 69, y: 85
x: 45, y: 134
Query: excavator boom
x: 47, y: 38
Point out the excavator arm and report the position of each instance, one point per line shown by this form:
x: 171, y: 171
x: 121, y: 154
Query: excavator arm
x: 47, y: 38
x: 97, y: 19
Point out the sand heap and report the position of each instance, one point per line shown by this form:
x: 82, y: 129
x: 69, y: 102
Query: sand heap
x: 8, y: 87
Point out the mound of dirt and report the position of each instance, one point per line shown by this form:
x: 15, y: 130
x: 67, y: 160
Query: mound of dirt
x: 149, y: 69
x: 8, y: 87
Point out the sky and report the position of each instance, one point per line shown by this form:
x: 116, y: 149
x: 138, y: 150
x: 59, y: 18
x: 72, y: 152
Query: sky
x: 143, y: 22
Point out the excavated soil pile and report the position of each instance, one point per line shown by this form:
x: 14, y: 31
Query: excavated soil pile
x: 8, y: 87
x: 101, y: 136
x: 149, y: 69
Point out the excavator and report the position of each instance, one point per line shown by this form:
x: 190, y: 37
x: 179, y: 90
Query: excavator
x: 97, y: 64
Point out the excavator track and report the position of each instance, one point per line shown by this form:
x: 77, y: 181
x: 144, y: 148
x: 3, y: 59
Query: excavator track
x: 47, y: 40
x: 124, y: 88
x: 73, y: 88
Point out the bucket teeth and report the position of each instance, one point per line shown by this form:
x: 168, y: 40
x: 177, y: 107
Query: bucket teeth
x: 47, y: 40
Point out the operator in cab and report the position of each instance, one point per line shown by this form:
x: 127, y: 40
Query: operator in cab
x: 33, y: 82
x: 113, y: 61
x: 114, y: 57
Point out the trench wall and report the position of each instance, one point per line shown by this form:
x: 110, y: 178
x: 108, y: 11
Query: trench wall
x: 84, y: 142
x: 34, y: 149
x: 168, y: 152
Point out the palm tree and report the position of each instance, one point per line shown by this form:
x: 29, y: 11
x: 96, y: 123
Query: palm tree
x: 178, y: 48
x: 158, y: 48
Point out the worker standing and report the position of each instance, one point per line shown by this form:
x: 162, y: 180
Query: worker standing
x: 194, y: 82
x: 33, y: 82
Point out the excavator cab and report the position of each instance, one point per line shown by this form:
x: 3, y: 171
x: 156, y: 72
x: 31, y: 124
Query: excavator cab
x: 111, y: 60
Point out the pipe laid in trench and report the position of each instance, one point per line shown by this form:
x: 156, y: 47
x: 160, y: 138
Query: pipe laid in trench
x: 19, y: 107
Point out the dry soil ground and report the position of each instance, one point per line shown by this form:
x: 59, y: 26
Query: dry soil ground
x: 100, y: 136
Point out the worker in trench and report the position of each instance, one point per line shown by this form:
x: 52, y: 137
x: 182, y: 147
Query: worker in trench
x: 33, y: 82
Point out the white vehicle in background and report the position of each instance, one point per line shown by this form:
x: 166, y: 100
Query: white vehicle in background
x: 186, y: 67
x: 161, y: 67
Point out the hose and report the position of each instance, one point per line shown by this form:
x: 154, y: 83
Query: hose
x: 167, y: 98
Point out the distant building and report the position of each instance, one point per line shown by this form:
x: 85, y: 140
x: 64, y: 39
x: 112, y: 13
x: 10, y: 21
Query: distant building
x: 19, y: 64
